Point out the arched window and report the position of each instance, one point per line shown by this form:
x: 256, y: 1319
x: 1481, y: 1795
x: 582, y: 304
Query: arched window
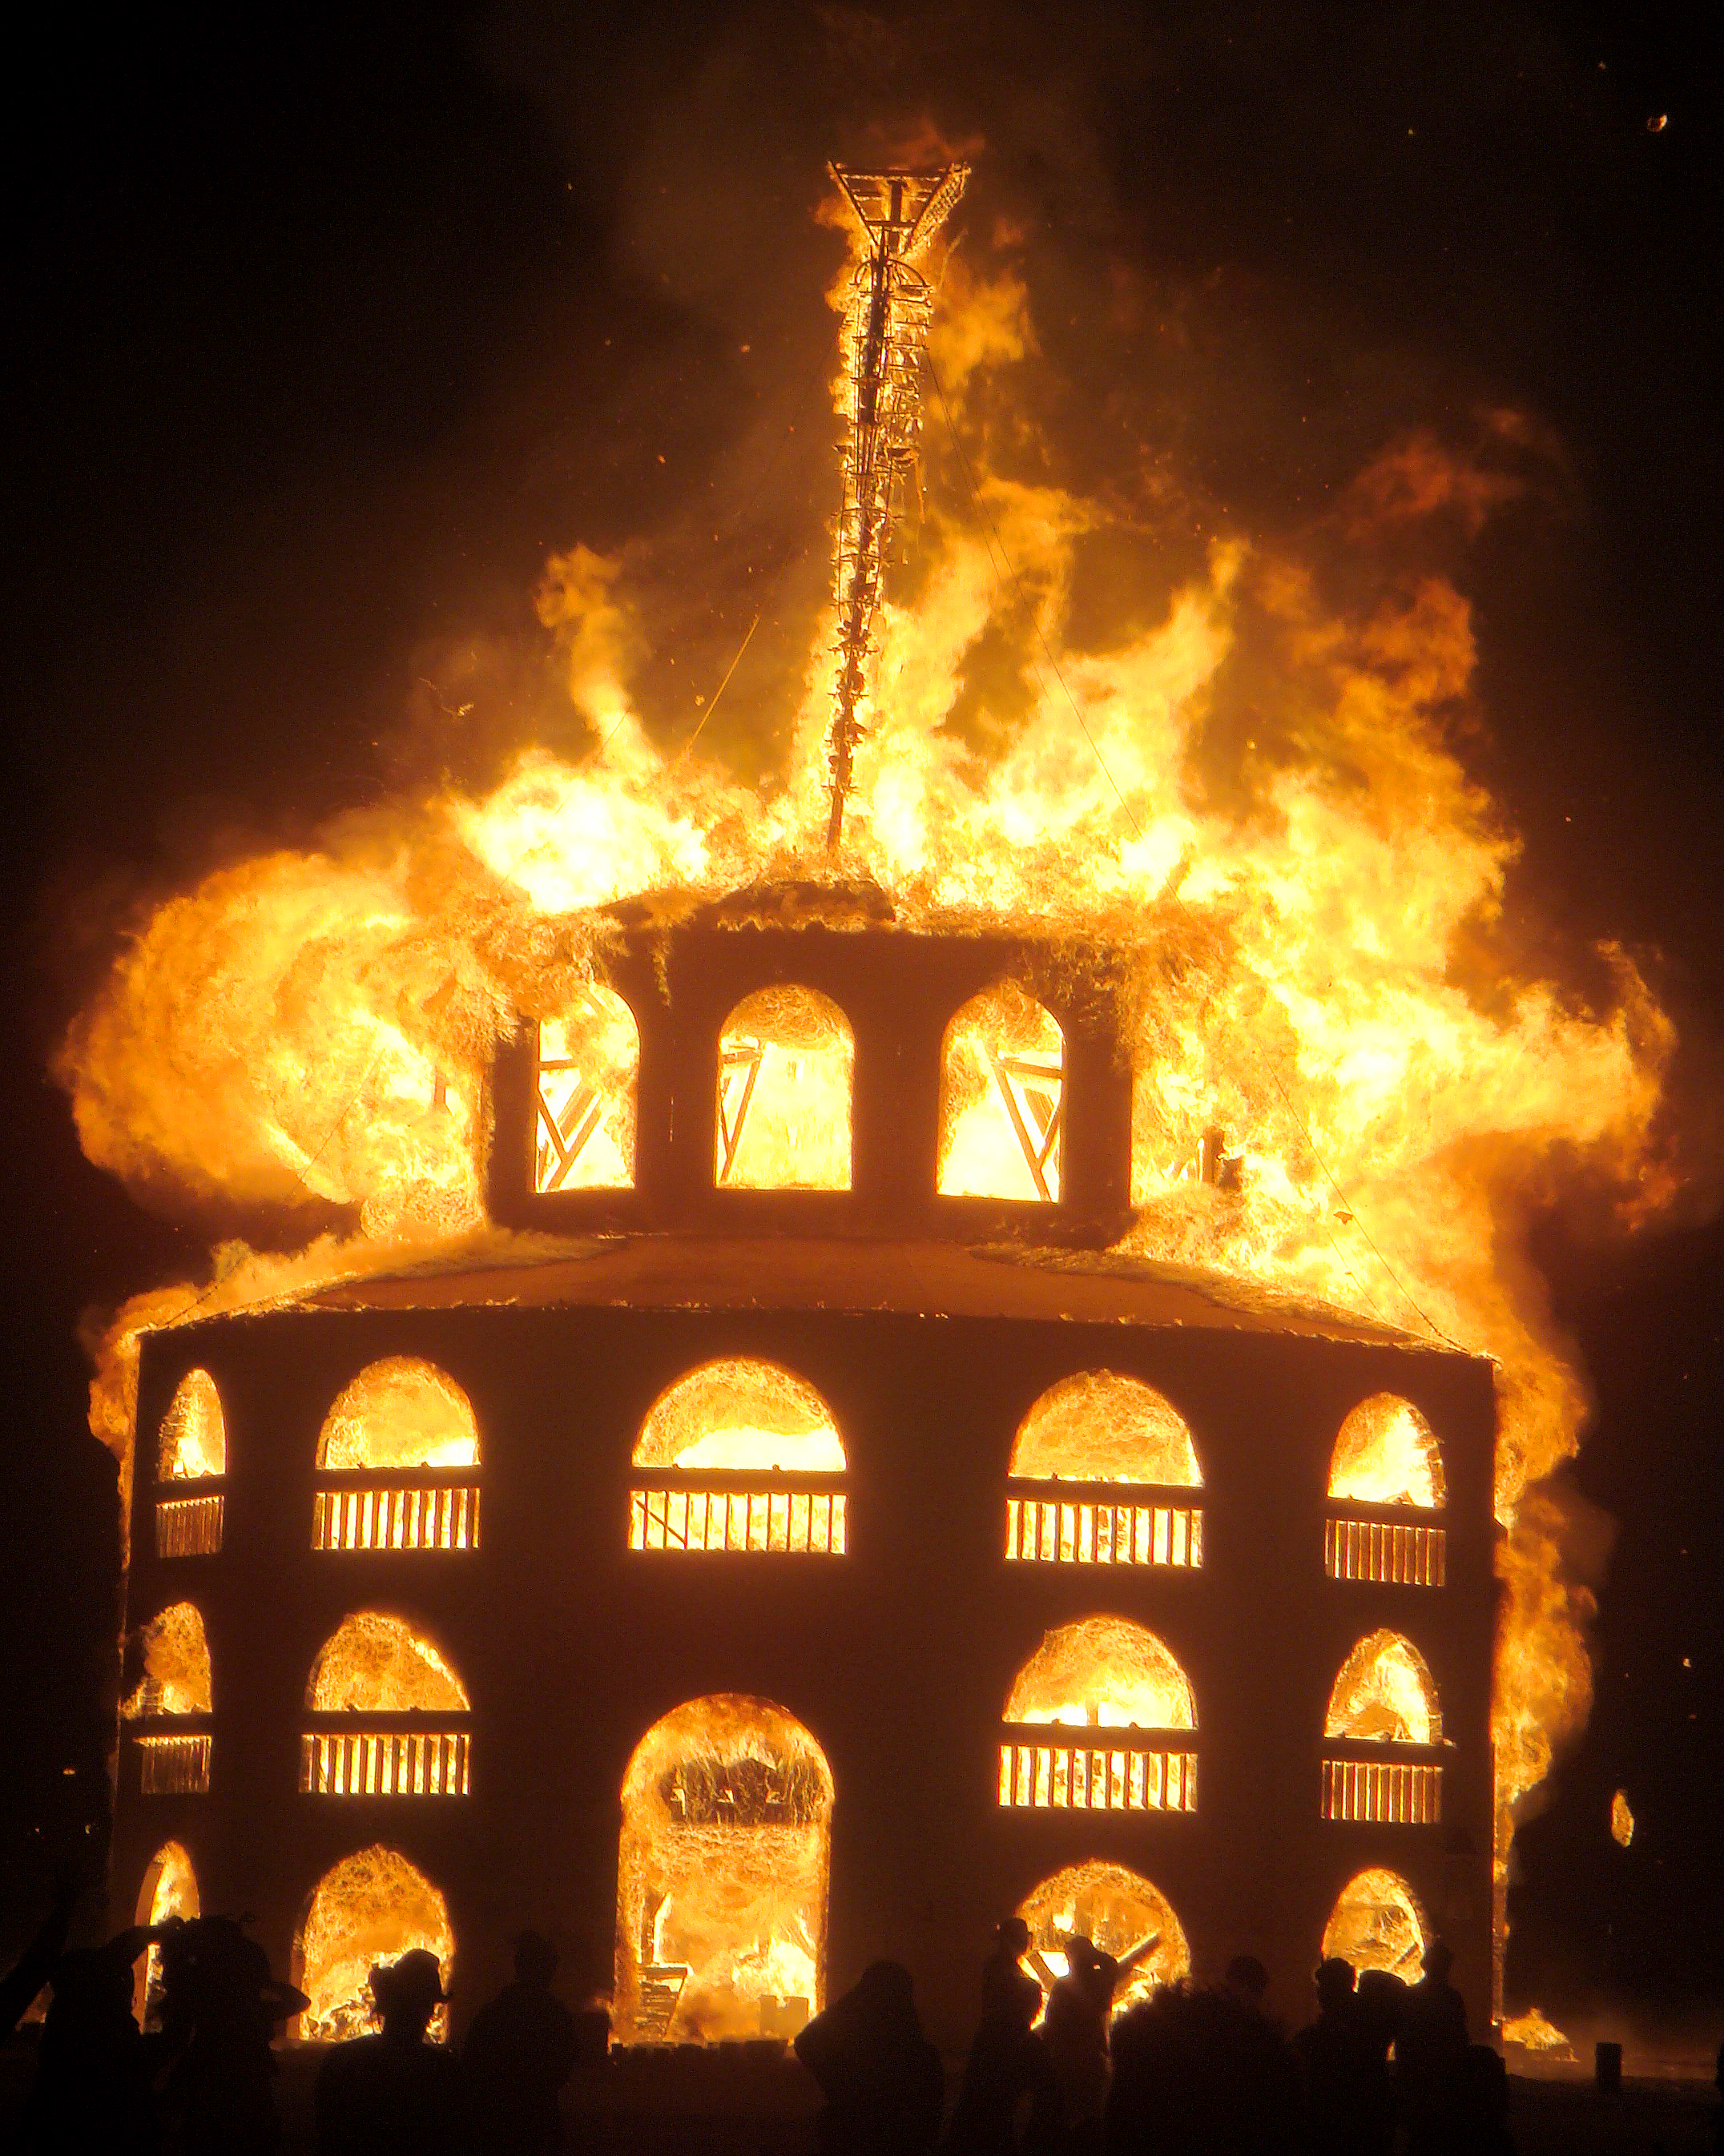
x: 389, y: 1715
x: 172, y: 1657
x: 1001, y: 1098
x: 1383, y: 1695
x: 371, y: 1908
x: 1386, y: 1458
x: 721, y: 1912
x: 587, y: 1077
x: 1108, y: 1443
x: 1116, y: 1910
x: 1377, y: 1923
x: 1118, y: 1682
x: 191, y: 1448
x: 739, y: 1455
x: 170, y: 1889
x: 786, y: 1062
x: 396, y: 1460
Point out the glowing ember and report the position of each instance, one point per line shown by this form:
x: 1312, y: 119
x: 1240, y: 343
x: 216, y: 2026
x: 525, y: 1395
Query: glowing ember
x: 1377, y: 1923
x: 376, y: 1664
x: 194, y: 1440
x: 1387, y: 1454
x: 175, y: 1666
x: 1103, y: 1672
x: 1622, y: 1820
x: 721, y: 1874
x: 1117, y: 1911
x: 1001, y: 1097
x: 400, y: 1413
x: 785, y: 1062
x: 369, y: 1909
x: 1097, y: 1427
x: 1532, y: 2032
x: 1385, y: 1691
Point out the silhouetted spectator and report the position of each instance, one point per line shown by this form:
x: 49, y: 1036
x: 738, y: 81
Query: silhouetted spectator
x: 1006, y: 2063
x: 881, y: 2079
x: 91, y: 2091
x: 1247, y: 1981
x: 1431, y: 2058
x: 210, y: 2060
x: 395, y: 2091
x: 1202, y: 2072
x: 1484, y: 2130
x: 1335, y: 2062
x: 519, y: 2053
x: 1380, y: 2001
x: 1075, y: 2033
x: 35, y: 1965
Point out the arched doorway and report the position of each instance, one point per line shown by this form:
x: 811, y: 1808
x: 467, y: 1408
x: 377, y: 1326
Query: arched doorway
x: 721, y: 1909
x: 170, y: 1889
x: 371, y: 1907
x: 1377, y: 1922
x: 1117, y: 1909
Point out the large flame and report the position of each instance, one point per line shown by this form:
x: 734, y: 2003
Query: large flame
x: 1243, y: 799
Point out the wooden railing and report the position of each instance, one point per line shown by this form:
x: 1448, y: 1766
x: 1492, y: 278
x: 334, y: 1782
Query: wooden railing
x: 190, y: 1526
x: 171, y: 1762
x: 410, y: 1508
x: 1101, y: 1524
x: 1395, y: 1553
x: 383, y: 1755
x: 1047, y: 1767
x: 737, y: 1513
x: 1382, y: 1791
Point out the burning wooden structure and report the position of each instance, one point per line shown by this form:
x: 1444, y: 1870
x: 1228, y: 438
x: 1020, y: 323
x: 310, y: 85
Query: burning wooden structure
x: 830, y: 1543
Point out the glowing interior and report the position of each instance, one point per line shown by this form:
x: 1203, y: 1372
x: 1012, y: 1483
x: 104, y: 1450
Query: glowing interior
x: 371, y: 1907
x: 175, y: 1678
x: 1001, y: 1093
x: 1116, y: 1910
x: 400, y: 1413
x: 743, y: 1415
x: 1099, y: 1427
x: 1377, y: 1923
x: 786, y: 1064
x: 721, y: 1874
x: 170, y: 1889
x: 376, y: 1664
x: 194, y: 1439
x: 1103, y: 1672
x: 1385, y: 1691
x: 1386, y: 1454
x: 589, y: 1069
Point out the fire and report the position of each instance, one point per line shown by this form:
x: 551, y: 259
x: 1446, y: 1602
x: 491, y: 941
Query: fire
x: 1117, y: 1911
x: 1622, y: 1820
x: 369, y: 1909
x: 1239, y: 800
x: 1103, y: 1672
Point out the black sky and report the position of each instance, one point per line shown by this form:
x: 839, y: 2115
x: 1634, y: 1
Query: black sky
x: 329, y: 326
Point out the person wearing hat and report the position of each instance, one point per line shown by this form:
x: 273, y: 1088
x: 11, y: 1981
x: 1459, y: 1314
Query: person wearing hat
x: 1333, y: 2062
x: 395, y: 2091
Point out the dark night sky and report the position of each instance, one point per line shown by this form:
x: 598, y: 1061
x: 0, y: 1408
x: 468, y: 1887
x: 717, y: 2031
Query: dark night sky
x: 312, y: 363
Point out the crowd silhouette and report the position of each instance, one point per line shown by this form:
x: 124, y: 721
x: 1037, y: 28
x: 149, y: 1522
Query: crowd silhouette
x: 1053, y: 2071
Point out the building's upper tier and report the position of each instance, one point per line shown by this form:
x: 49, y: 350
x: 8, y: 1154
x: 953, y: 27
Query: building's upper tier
x: 856, y: 1080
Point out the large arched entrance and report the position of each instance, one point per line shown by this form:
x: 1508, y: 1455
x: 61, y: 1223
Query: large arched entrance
x: 721, y: 1907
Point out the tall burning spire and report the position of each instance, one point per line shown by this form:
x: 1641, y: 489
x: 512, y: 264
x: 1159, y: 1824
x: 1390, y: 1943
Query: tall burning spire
x: 886, y: 326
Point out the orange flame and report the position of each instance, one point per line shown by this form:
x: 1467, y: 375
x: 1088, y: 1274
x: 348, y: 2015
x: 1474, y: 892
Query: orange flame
x: 1306, y: 912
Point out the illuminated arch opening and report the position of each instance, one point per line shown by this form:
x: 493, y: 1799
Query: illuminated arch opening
x: 376, y: 1664
x: 371, y: 1908
x: 399, y: 1412
x: 721, y: 1874
x: 1377, y: 1922
x: 1119, y: 1911
x: 373, y: 1667
x: 1386, y: 1454
x: 1108, y: 1679
x: 1385, y: 1695
x: 169, y: 1889
x: 174, y: 1665
x: 587, y: 1077
x: 193, y: 1443
x: 739, y: 1454
x: 1100, y: 1427
x: 786, y: 1064
x: 1001, y: 1099
x: 1102, y: 1673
